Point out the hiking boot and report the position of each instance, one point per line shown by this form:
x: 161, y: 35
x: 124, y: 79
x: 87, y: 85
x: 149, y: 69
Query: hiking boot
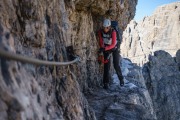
x: 106, y: 86
x: 121, y: 83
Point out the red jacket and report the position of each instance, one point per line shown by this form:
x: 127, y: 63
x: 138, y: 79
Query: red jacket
x: 101, y: 43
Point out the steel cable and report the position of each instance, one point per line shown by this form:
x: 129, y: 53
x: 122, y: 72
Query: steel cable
x: 24, y: 59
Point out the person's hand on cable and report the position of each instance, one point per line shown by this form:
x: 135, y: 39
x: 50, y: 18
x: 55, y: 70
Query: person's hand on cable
x: 101, y: 50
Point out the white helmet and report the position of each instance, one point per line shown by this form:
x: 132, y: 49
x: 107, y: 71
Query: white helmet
x: 106, y: 23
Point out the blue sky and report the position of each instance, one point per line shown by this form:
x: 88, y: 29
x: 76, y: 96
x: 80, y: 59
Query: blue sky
x: 147, y: 7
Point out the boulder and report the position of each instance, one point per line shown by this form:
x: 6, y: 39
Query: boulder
x: 162, y: 80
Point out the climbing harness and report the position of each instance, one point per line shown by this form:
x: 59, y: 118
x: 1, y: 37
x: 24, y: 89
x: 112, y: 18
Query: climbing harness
x: 16, y: 57
x: 107, y: 37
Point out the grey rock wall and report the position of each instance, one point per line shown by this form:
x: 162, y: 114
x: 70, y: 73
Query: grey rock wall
x: 43, y: 29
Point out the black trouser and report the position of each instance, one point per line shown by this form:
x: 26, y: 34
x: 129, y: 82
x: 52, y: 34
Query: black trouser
x: 116, y: 61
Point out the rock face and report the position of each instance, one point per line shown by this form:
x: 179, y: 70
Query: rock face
x: 162, y: 76
x: 43, y: 29
x: 160, y: 31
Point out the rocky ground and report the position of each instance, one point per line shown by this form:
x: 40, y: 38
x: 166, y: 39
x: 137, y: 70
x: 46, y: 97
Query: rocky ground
x: 130, y: 102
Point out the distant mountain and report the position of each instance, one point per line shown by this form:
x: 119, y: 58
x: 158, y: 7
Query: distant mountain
x: 161, y: 31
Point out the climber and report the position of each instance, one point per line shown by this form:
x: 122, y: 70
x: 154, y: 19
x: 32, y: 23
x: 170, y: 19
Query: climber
x: 108, y: 45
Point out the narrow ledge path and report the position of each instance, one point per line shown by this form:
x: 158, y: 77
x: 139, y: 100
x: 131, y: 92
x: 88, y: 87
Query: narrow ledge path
x: 129, y: 102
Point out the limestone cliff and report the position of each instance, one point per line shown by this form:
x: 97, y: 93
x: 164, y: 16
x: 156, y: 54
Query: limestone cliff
x: 154, y: 43
x: 43, y: 29
x: 160, y: 31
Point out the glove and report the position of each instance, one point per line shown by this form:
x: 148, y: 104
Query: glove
x: 101, y: 50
